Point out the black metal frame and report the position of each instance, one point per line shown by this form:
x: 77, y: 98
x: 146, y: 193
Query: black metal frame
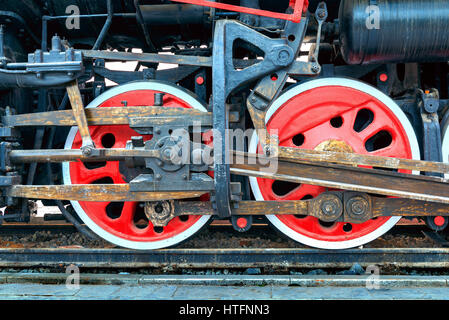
x: 279, y: 54
x: 228, y: 75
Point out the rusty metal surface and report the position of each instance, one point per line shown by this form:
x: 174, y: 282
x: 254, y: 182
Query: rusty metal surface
x: 96, y: 192
x: 76, y: 101
x: 110, y: 116
x: 350, y: 178
x: 348, y: 158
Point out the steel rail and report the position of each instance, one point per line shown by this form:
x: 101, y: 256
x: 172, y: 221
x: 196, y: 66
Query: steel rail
x: 334, y: 281
x: 226, y: 258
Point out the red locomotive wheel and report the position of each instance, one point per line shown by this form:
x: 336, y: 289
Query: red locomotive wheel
x: 125, y: 223
x: 334, y: 114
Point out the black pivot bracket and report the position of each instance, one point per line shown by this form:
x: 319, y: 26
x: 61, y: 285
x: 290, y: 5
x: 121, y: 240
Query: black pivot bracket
x: 226, y: 78
x: 428, y: 103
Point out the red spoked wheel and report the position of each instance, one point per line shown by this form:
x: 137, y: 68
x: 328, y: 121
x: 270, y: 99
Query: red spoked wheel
x: 333, y: 114
x: 125, y: 223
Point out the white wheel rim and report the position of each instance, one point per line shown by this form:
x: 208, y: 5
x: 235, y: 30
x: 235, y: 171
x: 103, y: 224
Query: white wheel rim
x: 140, y: 85
x: 344, y: 82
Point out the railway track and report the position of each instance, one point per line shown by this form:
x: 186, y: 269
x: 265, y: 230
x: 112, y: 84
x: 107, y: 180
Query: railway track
x: 404, y: 247
x: 268, y: 273
x: 224, y: 258
x: 332, y: 158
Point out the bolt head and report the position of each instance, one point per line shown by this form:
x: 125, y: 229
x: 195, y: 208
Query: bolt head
x: 283, y: 55
x: 167, y: 153
x: 267, y: 150
x: 87, y: 150
x: 329, y: 207
x: 358, y: 207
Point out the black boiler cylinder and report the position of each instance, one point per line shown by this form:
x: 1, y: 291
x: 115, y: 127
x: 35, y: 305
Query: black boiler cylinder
x: 387, y: 31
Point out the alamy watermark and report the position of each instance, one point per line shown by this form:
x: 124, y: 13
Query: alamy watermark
x: 372, y: 21
x: 373, y: 280
x: 73, y: 21
x: 73, y: 277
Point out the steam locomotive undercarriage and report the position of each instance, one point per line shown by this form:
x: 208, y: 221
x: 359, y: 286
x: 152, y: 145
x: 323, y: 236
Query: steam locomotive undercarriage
x: 328, y: 119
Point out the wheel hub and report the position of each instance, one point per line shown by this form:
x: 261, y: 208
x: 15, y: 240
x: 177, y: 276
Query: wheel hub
x: 334, y: 146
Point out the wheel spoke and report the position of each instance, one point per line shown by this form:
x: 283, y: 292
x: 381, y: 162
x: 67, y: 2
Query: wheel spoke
x: 371, y: 130
x: 349, y: 119
x: 92, y: 175
x: 125, y: 222
x: 303, y: 191
x: 128, y: 211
